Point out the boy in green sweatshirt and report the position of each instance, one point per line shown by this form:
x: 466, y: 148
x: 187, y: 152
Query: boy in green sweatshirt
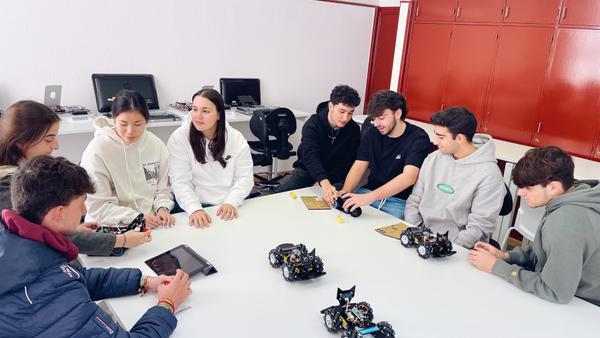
x: 563, y: 260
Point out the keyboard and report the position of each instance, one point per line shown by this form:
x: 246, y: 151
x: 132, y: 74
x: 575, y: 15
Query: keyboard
x: 164, y: 117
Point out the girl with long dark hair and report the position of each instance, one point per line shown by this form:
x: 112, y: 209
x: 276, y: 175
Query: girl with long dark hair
x: 210, y: 161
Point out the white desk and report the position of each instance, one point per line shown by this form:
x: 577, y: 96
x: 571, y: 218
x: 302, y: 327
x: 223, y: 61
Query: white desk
x: 420, y: 298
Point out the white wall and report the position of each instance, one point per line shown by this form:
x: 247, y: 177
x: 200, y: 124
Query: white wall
x: 299, y: 49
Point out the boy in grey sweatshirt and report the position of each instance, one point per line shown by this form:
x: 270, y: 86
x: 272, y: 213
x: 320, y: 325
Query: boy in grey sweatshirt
x: 460, y: 187
x: 563, y: 260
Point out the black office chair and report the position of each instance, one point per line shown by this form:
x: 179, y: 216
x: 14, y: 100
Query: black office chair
x: 321, y: 106
x: 273, y: 130
x: 367, y: 123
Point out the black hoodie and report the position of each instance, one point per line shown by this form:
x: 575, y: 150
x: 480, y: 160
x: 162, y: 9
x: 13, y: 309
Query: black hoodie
x: 325, y: 152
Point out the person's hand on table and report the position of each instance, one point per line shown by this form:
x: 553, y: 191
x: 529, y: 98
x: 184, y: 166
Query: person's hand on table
x: 132, y: 238
x: 486, y: 247
x: 482, y: 259
x: 227, y: 212
x: 165, y: 217
x: 200, y: 219
x: 152, y: 283
x: 354, y: 201
x: 176, y: 290
x: 153, y: 221
x: 329, y: 191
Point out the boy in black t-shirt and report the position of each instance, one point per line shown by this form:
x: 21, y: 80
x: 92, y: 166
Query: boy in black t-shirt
x: 393, y: 151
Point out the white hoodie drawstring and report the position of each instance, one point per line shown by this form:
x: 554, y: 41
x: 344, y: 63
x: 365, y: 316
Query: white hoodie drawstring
x: 381, y: 203
x: 129, y: 176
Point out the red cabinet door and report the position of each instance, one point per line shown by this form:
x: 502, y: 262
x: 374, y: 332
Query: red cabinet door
x: 516, y: 84
x: 480, y: 10
x: 570, y: 106
x: 472, y: 50
x: 382, y: 51
x: 436, y: 10
x: 580, y: 13
x: 424, y: 82
x: 596, y: 154
x: 532, y: 11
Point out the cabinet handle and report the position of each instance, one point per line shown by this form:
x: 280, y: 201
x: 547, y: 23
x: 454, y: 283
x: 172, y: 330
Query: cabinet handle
x: 442, y: 107
x: 539, y: 128
x: 418, y: 10
x: 507, y: 11
x: 564, y: 14
x: 458, y: 11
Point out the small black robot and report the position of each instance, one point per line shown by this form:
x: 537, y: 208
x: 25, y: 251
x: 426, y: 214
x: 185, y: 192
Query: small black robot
x: 339, y: 204
x: 296, y: 262
x: 428, y: 244
x: 354, y: 319
x: 138, y: 222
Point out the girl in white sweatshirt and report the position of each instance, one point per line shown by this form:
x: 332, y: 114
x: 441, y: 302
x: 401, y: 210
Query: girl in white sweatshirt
x: 210, y: 161
x: 129, y: 167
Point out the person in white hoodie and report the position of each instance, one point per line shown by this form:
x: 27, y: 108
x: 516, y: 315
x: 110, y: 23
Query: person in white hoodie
x: 210, y: 161
x: 460, y: 187
x: 129, y: 167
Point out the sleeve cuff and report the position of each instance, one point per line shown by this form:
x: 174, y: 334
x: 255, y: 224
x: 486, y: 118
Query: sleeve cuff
x: 503, y: 269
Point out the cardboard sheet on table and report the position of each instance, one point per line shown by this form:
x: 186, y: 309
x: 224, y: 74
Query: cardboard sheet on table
x: 393, y: 230
x: 315, y: 203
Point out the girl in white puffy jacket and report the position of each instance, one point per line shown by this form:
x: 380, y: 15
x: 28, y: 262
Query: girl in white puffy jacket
x: 129, y: 167
x: 210, y: 162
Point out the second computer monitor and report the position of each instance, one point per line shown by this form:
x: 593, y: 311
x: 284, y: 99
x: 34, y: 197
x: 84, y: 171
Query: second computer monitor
x: 240, y: 92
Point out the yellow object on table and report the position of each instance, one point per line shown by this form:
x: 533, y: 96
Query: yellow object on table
x: 293, y: 195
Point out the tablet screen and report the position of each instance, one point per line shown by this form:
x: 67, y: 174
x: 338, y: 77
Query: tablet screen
x: 181, y: 257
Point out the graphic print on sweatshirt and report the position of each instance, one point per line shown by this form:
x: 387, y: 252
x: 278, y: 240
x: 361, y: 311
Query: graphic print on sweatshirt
x: 152, y: 172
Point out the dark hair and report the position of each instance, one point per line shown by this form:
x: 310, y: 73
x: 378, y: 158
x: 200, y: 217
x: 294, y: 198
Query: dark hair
x: 45, y: 182
x: 345, y: 95
x: 217, y: 144
x: 543, y: 165
x: 387, y: 99
x: 24, y: 123
x: 130, y: 100
x: 459, y: 120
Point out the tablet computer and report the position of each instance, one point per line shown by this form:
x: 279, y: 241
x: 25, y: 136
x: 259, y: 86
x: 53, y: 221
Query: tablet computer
x: 181, y: 257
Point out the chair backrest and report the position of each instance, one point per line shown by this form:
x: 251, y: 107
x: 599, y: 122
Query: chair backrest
x: 507, y: 204
x: 321, y: 106
x: 258, y: 127
x: 281, y: 123
x: 367, y: 123
x: 528, y: 220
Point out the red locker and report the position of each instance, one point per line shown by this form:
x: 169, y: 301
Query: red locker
x: 472, y: 50
x: 480, y: 10
x: 424, y: 83
x: 570, y: 107
x: 382, y: 51
x: 516, y: 83
x: 436, y: 10
x: 580, y: 13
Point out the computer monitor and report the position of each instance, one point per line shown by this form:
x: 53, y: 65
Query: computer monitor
x: 240, y: 92
x: 106, y: 86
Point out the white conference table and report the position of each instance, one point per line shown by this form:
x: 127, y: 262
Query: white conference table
x: 421, y: 298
